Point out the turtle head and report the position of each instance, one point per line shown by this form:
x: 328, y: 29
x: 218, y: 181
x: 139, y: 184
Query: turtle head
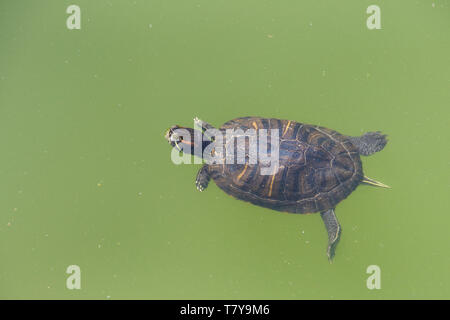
x: 184, y: 139
x: 172, y: 136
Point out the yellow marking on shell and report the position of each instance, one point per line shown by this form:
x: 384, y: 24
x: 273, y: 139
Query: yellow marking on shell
x: 271, y: 185
x: 286, y: 129
x: 254, y: 125
x: 243, y: 171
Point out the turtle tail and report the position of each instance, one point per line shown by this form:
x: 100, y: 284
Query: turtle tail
x: 367, y: 180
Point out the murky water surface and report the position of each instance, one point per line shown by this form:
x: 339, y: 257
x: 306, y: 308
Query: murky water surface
x: 86, y: 177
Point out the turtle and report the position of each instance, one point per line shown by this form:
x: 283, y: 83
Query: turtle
x: 317, y: 167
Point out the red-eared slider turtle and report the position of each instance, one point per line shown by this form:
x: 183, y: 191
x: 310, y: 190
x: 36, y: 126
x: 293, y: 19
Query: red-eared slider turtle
x: 317, y: 167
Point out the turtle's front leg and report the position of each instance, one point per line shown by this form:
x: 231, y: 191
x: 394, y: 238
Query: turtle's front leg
x: 203, y: 178
x: 334, y: 231
x: 204, y: 126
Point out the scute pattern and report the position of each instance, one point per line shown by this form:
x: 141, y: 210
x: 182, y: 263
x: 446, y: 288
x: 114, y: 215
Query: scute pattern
x: 319, y: 167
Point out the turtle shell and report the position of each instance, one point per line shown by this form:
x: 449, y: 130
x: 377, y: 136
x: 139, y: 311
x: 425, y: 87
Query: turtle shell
x: 318, y: 168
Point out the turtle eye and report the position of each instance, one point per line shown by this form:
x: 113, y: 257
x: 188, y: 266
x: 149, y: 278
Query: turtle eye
x: 171, y: 135
x: 175, y: 137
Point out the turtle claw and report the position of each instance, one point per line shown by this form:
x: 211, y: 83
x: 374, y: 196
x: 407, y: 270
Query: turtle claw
x: 330, y: 254
x: 331, y: 249
x: 202, y: 180
x: 202, y: 124
x: 200, y: 187
x: 198, y: 122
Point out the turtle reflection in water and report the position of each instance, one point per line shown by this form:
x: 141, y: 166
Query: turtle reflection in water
x: 317, y: 168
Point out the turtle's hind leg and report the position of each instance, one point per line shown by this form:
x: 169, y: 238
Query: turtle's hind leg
x: 334, y: 231
x: 203, y: 178
x: 369, y: 143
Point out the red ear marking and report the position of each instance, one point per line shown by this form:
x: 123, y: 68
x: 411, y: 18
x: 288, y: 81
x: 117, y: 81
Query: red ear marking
x: 187, y: 142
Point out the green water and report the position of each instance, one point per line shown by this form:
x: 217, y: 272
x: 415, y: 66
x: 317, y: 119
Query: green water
x: 86, y: 177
